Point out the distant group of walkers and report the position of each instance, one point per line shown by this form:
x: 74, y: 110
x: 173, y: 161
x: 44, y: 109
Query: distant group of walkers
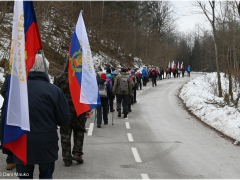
x: 116, y: 83
x: 123, y: 83
x: 144, y: 75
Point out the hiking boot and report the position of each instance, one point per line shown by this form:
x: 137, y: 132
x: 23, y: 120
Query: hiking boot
x: 78, y: 158
x: 10, y: 166
x: 119, y: 113
x: 67, y: 163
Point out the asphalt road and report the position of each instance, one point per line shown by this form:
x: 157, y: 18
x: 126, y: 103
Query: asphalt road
x: 160, y: 140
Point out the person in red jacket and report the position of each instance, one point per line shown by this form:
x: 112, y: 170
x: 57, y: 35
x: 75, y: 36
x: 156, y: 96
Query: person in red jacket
x: 154, y: 74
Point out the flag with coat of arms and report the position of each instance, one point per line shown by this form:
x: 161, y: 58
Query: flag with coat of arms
x: 81, y: 74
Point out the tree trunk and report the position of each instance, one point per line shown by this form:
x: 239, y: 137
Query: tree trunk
x: 229, y: 57
x: 212, y: 22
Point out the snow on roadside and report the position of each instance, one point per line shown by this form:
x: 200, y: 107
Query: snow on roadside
x: 200, y: 94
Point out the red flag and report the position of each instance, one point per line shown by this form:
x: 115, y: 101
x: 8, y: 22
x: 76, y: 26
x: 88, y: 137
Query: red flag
x: 16, y: 122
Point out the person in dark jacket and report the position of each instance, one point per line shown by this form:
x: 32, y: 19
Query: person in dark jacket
x: 183, y: 71
x: 138, y: 79
x: 134, y: 92
x: 154, y: 75
x: 122, y: 96
x: 76, y: 125
x: 102, y: 111
x: 48, y: 108
x: 111, y: 97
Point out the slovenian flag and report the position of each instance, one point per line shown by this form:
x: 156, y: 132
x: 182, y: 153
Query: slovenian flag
x: 81, y: 74
x: 24, y: 46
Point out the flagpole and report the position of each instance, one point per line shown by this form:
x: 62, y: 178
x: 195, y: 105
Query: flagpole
x: 66, y: 64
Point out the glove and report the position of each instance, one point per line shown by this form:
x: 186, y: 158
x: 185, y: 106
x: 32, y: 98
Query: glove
x: 88, y: 114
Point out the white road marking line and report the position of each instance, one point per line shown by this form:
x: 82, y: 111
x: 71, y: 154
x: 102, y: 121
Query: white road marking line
x: 130, y: 138
x: 127, y: 125
x: 136, y: 155
x: 90, y: 129
x: 144, y: 176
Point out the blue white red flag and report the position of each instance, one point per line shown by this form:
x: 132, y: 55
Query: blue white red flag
x: 81, y: 74
x: 24, y: 46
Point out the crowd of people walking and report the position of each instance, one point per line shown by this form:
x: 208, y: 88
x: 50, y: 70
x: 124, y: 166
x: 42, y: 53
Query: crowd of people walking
x: 122, y: 84
x: 118, y: 84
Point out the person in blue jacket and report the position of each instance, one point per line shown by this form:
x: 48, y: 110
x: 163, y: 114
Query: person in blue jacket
x: 188, y: 70
x: 144, y: 75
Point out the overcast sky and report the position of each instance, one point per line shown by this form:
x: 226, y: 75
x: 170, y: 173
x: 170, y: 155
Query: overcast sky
x: 188, y: 16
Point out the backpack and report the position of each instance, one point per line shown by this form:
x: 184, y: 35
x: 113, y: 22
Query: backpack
x: 110, y: 82
x: 144, y: 73
x: 102, y: 89
x: 123, y: 84
x: 153, y: 73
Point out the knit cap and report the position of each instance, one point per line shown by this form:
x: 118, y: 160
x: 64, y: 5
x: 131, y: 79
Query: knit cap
x: 103, y: 76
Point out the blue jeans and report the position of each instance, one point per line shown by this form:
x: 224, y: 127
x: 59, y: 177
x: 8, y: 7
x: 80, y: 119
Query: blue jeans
x: 45, y: 170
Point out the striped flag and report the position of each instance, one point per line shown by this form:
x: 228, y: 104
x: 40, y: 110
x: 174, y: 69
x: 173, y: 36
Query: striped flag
x: 24, y: 46
x: 81, y: 74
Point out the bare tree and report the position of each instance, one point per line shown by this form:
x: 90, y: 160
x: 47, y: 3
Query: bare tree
x: 212, y: 21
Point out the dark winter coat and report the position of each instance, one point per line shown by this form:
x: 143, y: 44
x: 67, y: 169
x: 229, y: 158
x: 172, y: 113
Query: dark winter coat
x: 62, y: 82
x: 3, y: 112
x: 48, y: 108
x: 154, y: 73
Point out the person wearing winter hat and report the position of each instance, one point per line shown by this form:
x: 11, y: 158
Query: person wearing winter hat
x: 111, y: 98
x: 103, y: 76
x: 108, y: 71
x: 102, y: 111
x: 123, y: 69
x: 122, y: 89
